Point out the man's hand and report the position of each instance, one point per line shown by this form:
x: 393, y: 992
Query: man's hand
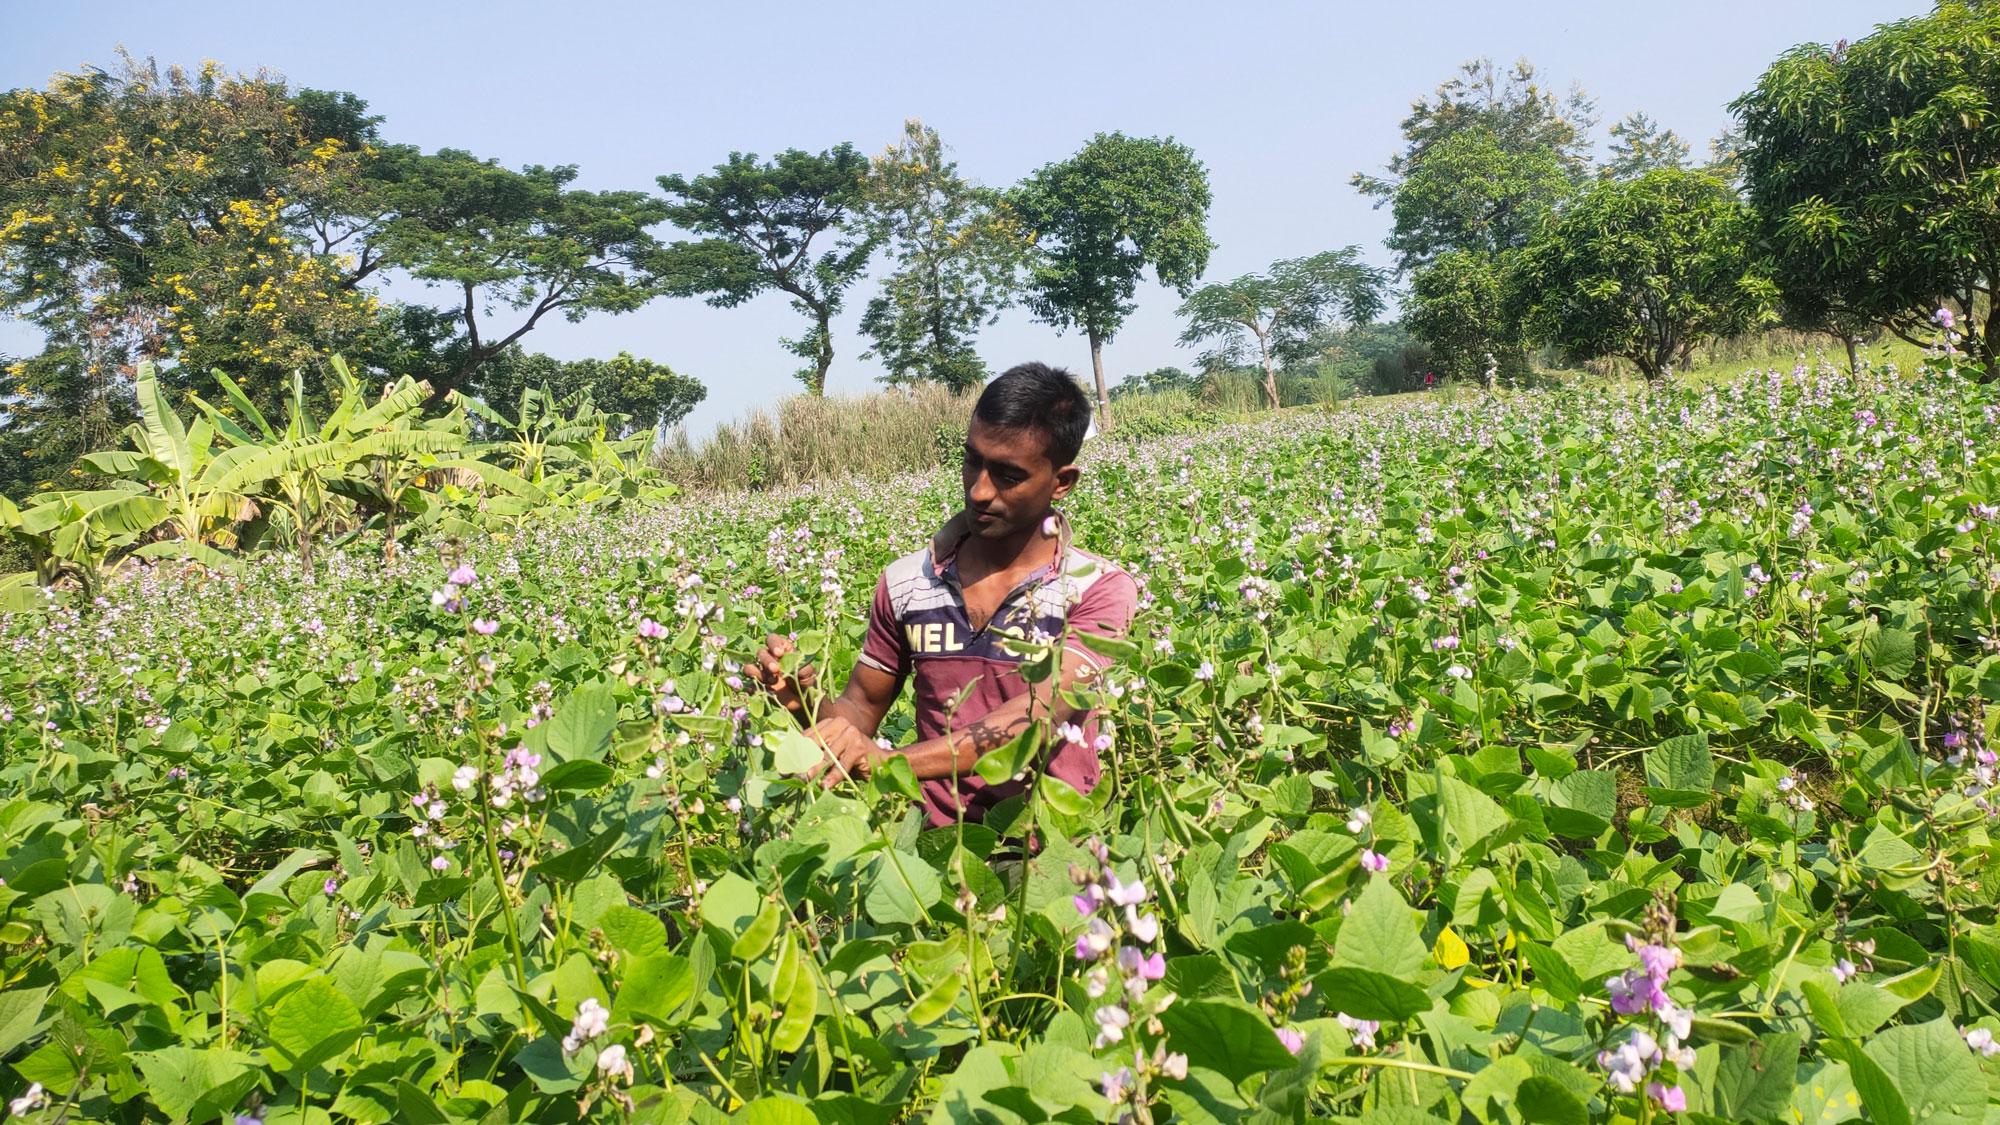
x: 849, y: 753
x: 769, y: 671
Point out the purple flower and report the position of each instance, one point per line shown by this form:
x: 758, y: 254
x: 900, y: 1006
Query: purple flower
x: 1134, y: 963
x: 1293, y: 1041
x: 331, y: 887
x: 651, y: 629
x: 440, y: 863
x: 463, y: 576
x: 485, y: 627
x: 248, y: 1119
x: 1673, y: 1099
x: 1374, y: 861
x: 1843, y: 970
x: 1087, y: 900
x: 1944, y: 318
x: 1094, y: 940
x: 1361, y: 1031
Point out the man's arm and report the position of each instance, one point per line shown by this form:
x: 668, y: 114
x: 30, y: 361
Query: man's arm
x: 954, y: 753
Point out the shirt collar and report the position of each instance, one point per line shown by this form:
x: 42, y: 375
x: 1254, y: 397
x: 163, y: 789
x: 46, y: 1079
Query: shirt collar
x: 952, y: 536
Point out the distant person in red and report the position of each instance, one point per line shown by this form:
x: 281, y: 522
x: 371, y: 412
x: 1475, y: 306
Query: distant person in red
x: 1429, y: 378
x: 1003, y: 564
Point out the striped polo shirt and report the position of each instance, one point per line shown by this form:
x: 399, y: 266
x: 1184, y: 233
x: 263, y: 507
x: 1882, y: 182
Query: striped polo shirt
x: 918, y: 630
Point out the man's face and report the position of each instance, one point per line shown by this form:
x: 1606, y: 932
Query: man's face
x: 1009, y: 482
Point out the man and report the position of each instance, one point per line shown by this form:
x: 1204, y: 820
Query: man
x: 1004, y: 564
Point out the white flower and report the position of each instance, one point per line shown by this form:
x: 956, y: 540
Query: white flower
x: 592, y: 1020
x: 27, y: 1103
x: 1981, y: 1040
x: 1843, y: 969
x: 1112, y: 1020
x: 1459, y: 671
x: 465, y: 778
x: 611, y: 1062
x: 1358, y: 820
x: 1146, y: 928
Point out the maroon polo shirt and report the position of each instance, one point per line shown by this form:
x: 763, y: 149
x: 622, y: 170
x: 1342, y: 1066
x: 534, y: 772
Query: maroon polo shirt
x: 918, y: 630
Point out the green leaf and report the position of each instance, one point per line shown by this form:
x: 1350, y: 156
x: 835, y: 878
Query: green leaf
x: 313, y: 1022
x: 655, y: 988
x: 901, y: 889
x: 1682, y: 763
x: 793, y: 754
x: 20, y: 1014
x: 197, y: 1084
x: 577, y: 774
x: 581, y: 728
x: 1380, y: 933
x: 1369, y: 995
x: 1932, y: 1072
x: 1755, y: 1082
x: 1226, y: 1037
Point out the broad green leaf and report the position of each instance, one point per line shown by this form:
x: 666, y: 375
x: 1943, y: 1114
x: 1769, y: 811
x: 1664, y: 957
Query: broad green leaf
x: 1380, y: 933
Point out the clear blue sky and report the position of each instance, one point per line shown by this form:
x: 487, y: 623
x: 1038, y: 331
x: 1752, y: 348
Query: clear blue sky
x: 1282, y: 101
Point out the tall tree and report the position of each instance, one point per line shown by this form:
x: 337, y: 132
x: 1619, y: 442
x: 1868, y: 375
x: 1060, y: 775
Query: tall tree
x: 1099, y: 220
x: 958, y: 251
x: 150, y: 215
x: 511, y: 247
x: 1870, y: 168
x: 1644, y: 269
x: 764, y: 222
x: 1513, y: 106
x: 1484, y: 159
x: 1280, y: 310
x: 1640, y: 145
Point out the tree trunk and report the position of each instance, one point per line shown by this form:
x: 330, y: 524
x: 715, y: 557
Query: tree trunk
x: 1853, y: 358
x: 824, y: 360
x: 1097, y: 369
x: 1270, y: 377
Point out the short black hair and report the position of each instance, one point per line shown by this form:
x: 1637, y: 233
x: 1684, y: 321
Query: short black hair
x: 1035, y: 396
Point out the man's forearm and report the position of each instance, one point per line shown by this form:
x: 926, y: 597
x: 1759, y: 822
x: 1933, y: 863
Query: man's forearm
x: 954, y: 753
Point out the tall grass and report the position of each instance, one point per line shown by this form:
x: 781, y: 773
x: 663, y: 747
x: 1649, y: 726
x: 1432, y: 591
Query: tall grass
x: 875, y: 435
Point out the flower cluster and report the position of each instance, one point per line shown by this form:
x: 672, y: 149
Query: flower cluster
x: 1655, y: 1063
x: 592, y: 1020
x: 1119, y: 941
x: 451, y: 597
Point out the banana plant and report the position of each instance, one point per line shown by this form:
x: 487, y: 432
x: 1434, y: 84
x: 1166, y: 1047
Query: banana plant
x: 205, y: 500
x: 74, y: 532
x: 295, y: 465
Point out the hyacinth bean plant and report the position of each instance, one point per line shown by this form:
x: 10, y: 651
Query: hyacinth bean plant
x: 1580, y: 755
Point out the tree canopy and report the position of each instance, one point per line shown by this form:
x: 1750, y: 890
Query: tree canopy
x: 1103, y: 217
x: 1276, y: 312
x: 958, y: 251
x: 1643, y: 269
x: 795, y: 224
x: 1872, y: 168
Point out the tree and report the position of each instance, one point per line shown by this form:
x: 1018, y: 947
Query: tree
x: 1156, y: 381
x: 1514, y: 108
x: 1098, y: 220
x: 1639, y: 145
x: 1870, y: 169
x: 1484, y: 159
x: 1280, y: 310
x: 212, y: 221
x: 1643, y: 269
x: 1470, y: 192
x: 762, y: 221
x: 958, y: 250
x: 1458, y: 308
x: 149, y: 216
x: 499, y: 239
x: 652, y: 395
